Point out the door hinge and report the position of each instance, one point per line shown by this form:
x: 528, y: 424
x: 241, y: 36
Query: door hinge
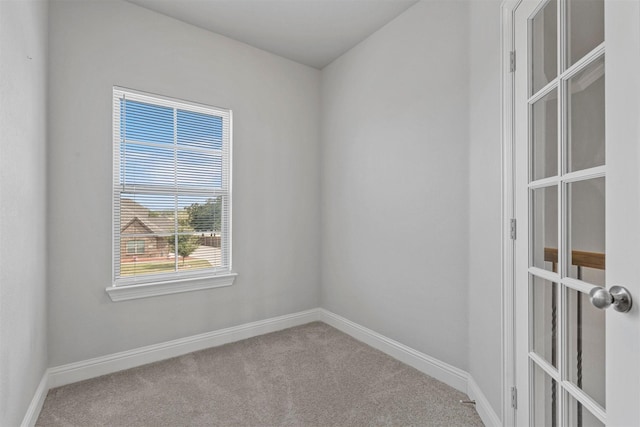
x: 514, y: 398
x: 512, y: 61
x: 513, y: 229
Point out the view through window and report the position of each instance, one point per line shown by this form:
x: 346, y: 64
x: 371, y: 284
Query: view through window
x: 171, y: 188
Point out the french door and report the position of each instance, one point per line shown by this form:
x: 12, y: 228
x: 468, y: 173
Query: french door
x: 576, y: 167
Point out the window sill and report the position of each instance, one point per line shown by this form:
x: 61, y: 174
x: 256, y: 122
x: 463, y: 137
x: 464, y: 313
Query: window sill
x: 127, y: 292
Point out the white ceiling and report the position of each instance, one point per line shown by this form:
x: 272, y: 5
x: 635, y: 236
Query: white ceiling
x: 312, y: 32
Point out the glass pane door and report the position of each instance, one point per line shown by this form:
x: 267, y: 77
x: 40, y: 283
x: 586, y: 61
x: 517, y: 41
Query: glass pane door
x: 566, y: 211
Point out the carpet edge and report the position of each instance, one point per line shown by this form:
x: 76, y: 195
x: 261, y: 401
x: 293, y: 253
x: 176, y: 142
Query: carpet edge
x: 442, y: 371
x: 33, y: 411
x: 103, y: 365
x: 95, y: 367
x: 483, y: 407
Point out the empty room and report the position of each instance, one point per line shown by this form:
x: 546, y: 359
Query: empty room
x: 319, y: 212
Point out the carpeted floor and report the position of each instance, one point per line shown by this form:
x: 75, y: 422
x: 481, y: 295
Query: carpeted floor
x: 310, y: 375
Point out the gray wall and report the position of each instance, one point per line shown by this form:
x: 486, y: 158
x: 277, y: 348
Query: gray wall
x: 395, y: 181
x: 411, y: 185
x: 23, y: 284
x: 275, y: 102
x: 485, y: 168
x: 403, y: 184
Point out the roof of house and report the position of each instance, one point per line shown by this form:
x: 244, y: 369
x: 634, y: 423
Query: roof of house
x: 131, y: 211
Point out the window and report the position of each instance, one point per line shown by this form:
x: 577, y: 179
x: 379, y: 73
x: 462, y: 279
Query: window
x: 135, y: 247
x: 172, y: 190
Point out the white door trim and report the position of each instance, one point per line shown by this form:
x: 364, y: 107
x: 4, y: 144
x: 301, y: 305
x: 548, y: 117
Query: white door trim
x: 508, y: 211
x: 622, y: 34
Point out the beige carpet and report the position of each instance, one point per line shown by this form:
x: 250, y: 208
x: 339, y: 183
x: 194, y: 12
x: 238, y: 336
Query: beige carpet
x: 311, y: 375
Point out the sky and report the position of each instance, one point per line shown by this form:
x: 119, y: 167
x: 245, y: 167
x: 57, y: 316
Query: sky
x: 158, y: 152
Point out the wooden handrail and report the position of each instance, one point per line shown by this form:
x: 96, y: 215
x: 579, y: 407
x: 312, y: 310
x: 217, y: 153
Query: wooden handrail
x: 578, y: 258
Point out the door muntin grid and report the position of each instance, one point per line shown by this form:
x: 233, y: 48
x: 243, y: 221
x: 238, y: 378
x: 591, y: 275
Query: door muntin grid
x: 578, y: 166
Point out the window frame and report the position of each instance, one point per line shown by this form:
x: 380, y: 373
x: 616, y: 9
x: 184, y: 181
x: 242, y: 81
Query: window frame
x: 135, y: 244
x: 175, y: 281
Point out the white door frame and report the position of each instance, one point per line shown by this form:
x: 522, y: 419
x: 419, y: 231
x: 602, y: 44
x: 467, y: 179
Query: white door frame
x: 622, y: 35
x: 507, y: 11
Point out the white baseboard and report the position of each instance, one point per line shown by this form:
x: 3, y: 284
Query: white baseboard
x: 73, y: 372
x: 450, y: 375
x: 33, y: 411
x: 79, y: 371
x: 484, y: 409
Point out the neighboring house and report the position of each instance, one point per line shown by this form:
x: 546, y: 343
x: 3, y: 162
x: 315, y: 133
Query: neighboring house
x: 135, y: 220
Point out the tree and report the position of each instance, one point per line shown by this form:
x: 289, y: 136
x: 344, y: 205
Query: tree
x: 187, y: 243
x: 206, y: 216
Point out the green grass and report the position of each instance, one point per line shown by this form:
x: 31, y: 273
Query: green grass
x: 150, y: 267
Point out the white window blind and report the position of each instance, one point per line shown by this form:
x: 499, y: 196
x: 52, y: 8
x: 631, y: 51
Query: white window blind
x: 172, y: 189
